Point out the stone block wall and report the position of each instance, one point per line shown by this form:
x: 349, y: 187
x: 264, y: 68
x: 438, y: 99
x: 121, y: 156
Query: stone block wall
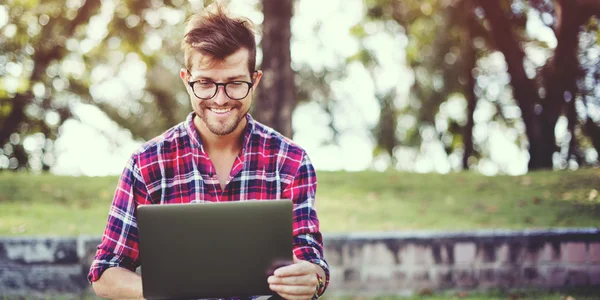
x: 361, y: 264
x: 397, y: 263
x: 43, y: 266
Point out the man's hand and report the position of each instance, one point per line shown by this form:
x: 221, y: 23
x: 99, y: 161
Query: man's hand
x: 296, y: 281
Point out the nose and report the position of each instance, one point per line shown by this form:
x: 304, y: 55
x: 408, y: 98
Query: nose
x: 220, y: 98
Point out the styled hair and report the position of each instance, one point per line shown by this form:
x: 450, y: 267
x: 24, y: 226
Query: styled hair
x: 215, y: 34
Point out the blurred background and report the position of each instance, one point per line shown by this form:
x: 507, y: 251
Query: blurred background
x: 428, y: 86
x: 446, y: 115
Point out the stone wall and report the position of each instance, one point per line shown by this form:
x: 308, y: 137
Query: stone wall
x: 361, y: 264
x: 418, y: 262
x: 42, y: 266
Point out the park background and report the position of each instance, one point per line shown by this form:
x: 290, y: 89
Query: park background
x: 444, y: 115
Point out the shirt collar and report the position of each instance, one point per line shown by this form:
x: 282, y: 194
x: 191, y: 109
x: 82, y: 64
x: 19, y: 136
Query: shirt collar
x: 196, y: 141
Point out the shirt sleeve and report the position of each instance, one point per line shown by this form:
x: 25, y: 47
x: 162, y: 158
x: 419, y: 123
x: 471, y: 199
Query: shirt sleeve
x: 119, y: 245
x: 308, y: 241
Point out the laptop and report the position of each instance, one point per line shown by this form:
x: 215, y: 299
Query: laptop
x: 213, y: 249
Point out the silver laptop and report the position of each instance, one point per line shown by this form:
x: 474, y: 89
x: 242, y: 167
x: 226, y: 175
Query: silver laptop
x: 213, y: 250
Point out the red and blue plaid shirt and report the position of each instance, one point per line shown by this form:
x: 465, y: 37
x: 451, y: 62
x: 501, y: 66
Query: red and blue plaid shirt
x: 174, y: 168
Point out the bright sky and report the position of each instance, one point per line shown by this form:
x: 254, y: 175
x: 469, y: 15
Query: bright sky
x: 84, y: 149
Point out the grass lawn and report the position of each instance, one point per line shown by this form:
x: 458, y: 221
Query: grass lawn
x: 518, y: 294
x: 357, y: 201
x: 587, y: 294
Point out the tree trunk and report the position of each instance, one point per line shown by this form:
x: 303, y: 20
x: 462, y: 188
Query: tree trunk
x: 469, y: 89
x: 471, y: 104
x: 385, y: 131
x: 574, y: 151
x: 560, y: 73
x: 277, y: 92
x: 15, y: 117
x: 593, y: 131
x: 524, y: 89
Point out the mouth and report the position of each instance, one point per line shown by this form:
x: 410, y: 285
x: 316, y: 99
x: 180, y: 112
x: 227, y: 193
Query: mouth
x: 220, y: 111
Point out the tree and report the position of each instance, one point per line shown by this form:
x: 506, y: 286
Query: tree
x: 442, y: 57
x: 54, y: 54
x: 558, y: 77
x: 448, y: 39
x: 25, y: 41
x: 277, y: 93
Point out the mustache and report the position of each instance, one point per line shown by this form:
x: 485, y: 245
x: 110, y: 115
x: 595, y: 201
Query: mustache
x: 213, y: 105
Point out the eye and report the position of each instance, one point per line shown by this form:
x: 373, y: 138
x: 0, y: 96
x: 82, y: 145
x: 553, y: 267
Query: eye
x: 205, y: 84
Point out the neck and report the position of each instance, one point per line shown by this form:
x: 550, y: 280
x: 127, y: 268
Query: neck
x: 230, y: 143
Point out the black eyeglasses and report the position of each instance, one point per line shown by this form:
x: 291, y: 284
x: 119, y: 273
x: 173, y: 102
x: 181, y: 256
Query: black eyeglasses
x: 235, y: 90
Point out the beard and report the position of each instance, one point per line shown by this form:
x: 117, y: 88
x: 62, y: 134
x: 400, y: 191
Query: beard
x: 221, y: 126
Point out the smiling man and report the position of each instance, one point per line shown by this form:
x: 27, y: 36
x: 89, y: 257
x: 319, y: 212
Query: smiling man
x: 219, y: 153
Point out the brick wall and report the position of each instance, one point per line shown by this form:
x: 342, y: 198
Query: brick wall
x: 369, y: 264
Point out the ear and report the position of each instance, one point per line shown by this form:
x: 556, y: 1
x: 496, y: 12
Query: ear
x: 256, y: 76
x: 183, y: 73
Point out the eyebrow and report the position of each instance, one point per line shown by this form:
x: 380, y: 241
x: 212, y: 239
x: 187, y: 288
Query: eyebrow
x: 230, y: 78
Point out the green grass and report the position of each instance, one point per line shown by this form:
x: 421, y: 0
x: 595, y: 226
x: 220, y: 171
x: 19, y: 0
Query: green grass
x: 465, y: 201
x: 358, y: 201
x: 491, y: 295
x: 588, y: 294
x: 517, y: 294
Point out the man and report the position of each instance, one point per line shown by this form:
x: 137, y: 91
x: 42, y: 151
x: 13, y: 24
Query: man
x: 219, y: 153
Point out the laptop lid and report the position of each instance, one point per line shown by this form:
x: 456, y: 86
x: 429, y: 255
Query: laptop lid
x: 213, y: 249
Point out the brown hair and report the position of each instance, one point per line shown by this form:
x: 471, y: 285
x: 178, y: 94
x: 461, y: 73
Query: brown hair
x: 215, y: 34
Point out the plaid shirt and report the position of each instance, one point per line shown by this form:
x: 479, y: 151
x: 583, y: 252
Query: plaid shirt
x: 174, y: 168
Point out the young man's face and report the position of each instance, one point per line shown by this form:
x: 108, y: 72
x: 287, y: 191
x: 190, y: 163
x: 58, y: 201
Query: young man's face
x: 221, y: 115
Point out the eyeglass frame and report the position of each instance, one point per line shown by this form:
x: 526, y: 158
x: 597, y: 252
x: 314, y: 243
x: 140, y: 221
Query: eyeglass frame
x: 224, y: 84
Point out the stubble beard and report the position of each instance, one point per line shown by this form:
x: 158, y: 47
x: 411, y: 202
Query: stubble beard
x: 218, y: 127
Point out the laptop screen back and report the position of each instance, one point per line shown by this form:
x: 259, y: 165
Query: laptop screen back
x: 212, y: 250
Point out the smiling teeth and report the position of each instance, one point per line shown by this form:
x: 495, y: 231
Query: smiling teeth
x: 220, y: 111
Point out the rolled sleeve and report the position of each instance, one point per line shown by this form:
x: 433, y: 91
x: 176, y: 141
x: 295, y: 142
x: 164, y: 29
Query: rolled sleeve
x: 104, y: 260
x: 308, y: 240
x: 311, y: 251
x: 119, y: 245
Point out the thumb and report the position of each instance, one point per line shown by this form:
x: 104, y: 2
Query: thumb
x: 296, y: 259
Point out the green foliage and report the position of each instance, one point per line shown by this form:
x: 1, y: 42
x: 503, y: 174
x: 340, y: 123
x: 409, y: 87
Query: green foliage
x: 435, y: 42
x: 385, y: 132
x: 441, y: 39
x: 363, y: 56
x: 59, y: 56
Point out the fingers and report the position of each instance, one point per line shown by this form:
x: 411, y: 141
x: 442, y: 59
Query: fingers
x: 297, y: 269
x: 308, y: 280
x: 293, y: 291
x: 294, y: 282
x: 294, y: 297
